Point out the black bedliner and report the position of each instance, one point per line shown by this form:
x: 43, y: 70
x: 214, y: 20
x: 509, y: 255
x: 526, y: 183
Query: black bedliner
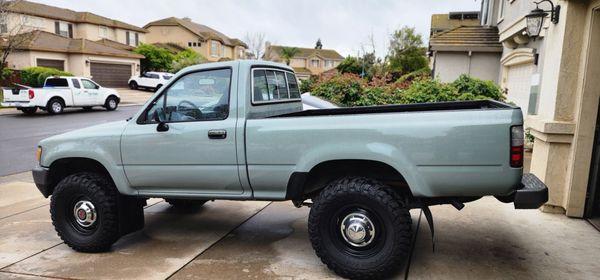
x: 420, y: 107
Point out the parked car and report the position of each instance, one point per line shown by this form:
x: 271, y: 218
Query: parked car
x: 150, y: 80
x: 59, y: 93
x: 236, y: 131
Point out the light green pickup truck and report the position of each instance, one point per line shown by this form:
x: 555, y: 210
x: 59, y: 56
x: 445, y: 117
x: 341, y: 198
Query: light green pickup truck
x: 236, y: 130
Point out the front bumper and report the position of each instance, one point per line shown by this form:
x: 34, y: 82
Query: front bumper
x: 532, y: 194
x: 18, y: 104
x: 41, y: 177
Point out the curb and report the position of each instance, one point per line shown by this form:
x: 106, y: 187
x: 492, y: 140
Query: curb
x: 13, y: 111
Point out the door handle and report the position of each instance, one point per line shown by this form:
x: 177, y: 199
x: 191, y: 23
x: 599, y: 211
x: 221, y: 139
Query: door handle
x: 217, y: 134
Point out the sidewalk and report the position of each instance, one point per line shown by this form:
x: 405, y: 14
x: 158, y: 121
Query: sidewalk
x: 129, y: 97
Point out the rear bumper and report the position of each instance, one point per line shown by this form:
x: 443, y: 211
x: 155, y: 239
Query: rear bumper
x: 41, y: 177
x: 532, y: 194
x: 18, y: 104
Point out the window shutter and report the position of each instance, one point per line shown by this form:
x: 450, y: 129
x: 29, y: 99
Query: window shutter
x: 127, y: 38
x: 57, y: 27
x: 70, y: 30
x: 137, y: 39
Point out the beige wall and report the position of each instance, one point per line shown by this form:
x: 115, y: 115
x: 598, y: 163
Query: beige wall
x: 450, y: 65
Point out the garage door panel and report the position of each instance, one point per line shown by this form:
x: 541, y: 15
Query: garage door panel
x: 51, y: 63
x: 110, y: 75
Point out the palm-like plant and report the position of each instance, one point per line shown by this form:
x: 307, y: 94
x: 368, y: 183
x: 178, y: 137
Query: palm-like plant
x: 287, y: 53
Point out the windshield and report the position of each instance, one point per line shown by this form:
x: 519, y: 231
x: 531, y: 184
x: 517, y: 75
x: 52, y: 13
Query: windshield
x: 167, y: 77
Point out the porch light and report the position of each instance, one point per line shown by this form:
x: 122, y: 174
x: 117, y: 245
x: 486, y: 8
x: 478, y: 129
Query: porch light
x: 535, y: 19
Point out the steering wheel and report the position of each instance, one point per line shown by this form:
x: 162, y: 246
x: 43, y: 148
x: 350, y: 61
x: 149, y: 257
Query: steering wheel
x: 190, y: 109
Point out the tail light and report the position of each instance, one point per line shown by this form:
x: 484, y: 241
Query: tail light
x: 31, y: 94
x: 517, y: 140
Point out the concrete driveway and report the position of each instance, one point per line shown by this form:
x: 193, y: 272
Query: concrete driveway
x: 261, y: 240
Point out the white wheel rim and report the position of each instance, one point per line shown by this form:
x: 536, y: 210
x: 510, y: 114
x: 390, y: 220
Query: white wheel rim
x: 112, y: 103
x: 56, y: 107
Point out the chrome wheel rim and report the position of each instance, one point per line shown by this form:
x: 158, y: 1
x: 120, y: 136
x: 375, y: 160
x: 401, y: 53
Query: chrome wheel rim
x: 56, y: 107
x: 357, y: 229
x: 85, y: 213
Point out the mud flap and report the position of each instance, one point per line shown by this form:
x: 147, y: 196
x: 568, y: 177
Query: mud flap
x: 131, y: 214
x: 429, y: 217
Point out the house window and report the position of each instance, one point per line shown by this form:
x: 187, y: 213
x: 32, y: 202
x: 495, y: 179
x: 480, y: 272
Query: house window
x: 132, y: 38
x: 314, y: 63
x: 63, y: 29
x: 189, y: 44
x: 103, y: 31
x: 222, y: 50
x: 328, y: 63
x: 240, y: 53
x: 214, y: 48
x: 3, y: 25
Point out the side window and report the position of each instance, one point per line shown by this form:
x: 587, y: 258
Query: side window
x: 76, y: 83
x: 87, y: 84
x: 199, y: 96
x: 153, y: 76
x: 274, y: 85
x: 293, y: 85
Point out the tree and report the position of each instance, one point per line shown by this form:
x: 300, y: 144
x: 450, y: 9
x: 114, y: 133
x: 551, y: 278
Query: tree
x: 287, y: 53
x: 406, y: 51
x: 256, y: 44
x: 185, y: 58
x: 156, y: 59
x: 17, y: 34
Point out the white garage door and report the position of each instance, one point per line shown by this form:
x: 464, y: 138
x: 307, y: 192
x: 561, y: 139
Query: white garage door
x: 518, y: 84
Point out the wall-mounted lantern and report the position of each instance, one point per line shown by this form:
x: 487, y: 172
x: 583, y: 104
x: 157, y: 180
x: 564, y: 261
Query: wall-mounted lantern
x: 535, y: 19
x: 87, y: 62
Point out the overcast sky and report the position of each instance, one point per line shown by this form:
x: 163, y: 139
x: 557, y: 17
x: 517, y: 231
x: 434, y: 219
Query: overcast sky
x: 343, y: 25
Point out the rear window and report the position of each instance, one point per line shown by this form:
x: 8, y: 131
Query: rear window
x: 274, y: 86
x: 56, y: 82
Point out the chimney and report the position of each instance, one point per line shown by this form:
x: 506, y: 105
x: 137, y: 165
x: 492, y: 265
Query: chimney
x: 187, y: 19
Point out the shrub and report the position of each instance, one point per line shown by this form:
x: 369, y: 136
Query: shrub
x: 345, y: 89
x: 155, y: 58
x: 35, y: 76
x: 477, y: 89
x: 308, y: 85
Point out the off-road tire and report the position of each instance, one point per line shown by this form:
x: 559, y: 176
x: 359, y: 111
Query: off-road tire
x: 108, y: 102
x: 50, y: 106
x: 185, y: 203
x: 28, y: 111
x: 133, y: 85
x: 387, y: 252
x: 103, y: 194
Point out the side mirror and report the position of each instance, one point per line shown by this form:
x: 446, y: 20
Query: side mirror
x: 160, y: 117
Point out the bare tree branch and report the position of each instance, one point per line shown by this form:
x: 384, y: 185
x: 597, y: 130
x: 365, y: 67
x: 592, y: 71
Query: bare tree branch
x: 15, y: 31
x: 256, y: 44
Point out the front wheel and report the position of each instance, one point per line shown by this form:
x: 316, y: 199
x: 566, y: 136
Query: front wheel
x: 84, y: 212
x: 111, y: 103
x: 360, y: 228
x: 133, y: 85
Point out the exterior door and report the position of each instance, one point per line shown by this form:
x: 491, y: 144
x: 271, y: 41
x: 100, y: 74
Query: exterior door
x: 196, y: 154
x: 518, y: 84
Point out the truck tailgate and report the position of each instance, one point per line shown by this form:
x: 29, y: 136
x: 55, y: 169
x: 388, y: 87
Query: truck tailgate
x: 16, y: 95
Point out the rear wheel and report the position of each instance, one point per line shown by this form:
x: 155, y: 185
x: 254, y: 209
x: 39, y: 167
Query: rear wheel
x: 111, y: 103
x: 360, y: 228
x: 28, y: 111
x: 133, y: 85
x: 185, y: 203
x: 84, y: 210
x: 55, y: 106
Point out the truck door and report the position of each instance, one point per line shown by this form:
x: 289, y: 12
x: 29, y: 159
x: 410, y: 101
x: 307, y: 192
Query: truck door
x: 90, y: 93
x: 193, y: 149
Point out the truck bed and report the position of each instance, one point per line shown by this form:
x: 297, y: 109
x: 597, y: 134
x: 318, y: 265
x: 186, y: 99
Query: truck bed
x: 418, y: 107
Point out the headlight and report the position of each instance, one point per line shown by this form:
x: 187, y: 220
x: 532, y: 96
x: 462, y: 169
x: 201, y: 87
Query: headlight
x: 38, y: 154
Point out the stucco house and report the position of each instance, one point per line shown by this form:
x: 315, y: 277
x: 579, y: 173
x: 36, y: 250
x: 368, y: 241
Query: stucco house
x: 308, y: 61
x: 82, y: 43
x: 471, y: 50
x: 210, y: 43
x: 553, y: 77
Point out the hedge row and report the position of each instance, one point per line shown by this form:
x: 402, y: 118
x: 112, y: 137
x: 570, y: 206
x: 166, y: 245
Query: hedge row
x: 35, y: 76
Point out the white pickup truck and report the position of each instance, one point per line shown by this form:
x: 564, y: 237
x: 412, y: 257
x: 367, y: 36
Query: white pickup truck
x: 61, y: 92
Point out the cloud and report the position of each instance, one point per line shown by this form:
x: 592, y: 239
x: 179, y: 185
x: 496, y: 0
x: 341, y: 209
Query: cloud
x: 342, y: 25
